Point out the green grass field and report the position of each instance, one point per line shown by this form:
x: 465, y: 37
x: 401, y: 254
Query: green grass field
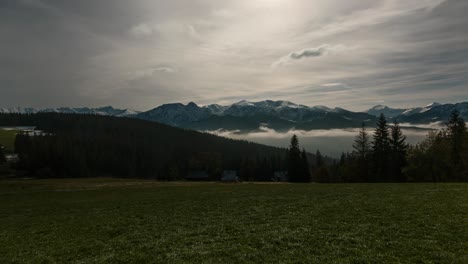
x: 7, y: 138
x: 131, y: 221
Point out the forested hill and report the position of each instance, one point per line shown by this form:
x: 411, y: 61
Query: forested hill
x: 91, y: 145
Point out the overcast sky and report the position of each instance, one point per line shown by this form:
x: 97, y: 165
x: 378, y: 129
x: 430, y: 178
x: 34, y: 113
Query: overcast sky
x: 143, y: 53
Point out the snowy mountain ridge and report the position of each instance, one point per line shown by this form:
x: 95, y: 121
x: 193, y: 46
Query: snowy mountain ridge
x: 107, y: 110
x: 282, y: 115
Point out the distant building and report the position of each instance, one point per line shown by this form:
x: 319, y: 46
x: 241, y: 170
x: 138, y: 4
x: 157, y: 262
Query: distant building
x: 197, y: 175
x: 230, y: 176
x: 34, y: 133
x: 12, y: 158
x: 280, y: 176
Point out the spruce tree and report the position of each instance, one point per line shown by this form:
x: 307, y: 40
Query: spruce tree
x: 319, y: 159
x: 305, y: 167
x: 294, y: 160
x: 342, y: 159
x: 361, y: 153
x: 381, y: 150
x: 456, y: 132
x: 321, y: 171
x: 398, y: 148
x: 362, y: 145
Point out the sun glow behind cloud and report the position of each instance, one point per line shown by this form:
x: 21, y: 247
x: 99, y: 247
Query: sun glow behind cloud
x: 405, y: 53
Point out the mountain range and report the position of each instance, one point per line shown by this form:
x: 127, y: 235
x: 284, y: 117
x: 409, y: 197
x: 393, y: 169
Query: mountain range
x: 106, y: 110
x: 245, y: 116
x: 248, y: 116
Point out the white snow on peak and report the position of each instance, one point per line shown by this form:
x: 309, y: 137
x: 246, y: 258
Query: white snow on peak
x: 379, y: 107
x: 243, y: 103
x: 432, y: 105
x: 322, y: 107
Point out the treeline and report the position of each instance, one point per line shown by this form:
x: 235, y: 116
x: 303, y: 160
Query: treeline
x: 386, y: 157
x: 73, y: 145
x: 442, y: 156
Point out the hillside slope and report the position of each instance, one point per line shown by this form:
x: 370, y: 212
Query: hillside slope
x: 82, y: 145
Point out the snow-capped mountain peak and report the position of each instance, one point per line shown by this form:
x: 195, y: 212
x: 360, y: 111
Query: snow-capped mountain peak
x: 243, y: 103
x: 432, y: 105
x: 322, y: 108
x: 379, y: 107
x: 387, y: 111
x: 19, y: 110
x: 106, y: 110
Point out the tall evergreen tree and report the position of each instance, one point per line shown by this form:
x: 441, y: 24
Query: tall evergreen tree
x: 294, y: 160
x: 306, y: 177
x: 456, y: 132
x: 362, y: 144
x: 361, y: 152
x: 398, y: 149
x: 321, y: 172
x: 319, y: 159
x: 381, y: 150
x: 342, y: 159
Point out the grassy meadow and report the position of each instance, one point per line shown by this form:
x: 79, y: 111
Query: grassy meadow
x: 7, y: 138
x: 133, y: 221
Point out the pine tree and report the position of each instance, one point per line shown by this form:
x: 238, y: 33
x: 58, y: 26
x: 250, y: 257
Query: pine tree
x: 321, y: 172
x: 342, y: 159
x: 362, y: 145
x: 319, y: 159
x: 381, y: 150
x: 305, y: 167
x: 398, y: 148
x: 294, y: 160
x: 361, y: 153
x: 456, y: 132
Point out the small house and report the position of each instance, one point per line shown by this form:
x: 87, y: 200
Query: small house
x: 280, y: 176
x: 12, y: 158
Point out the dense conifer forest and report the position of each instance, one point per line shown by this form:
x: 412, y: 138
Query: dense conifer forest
x: 74, y: 145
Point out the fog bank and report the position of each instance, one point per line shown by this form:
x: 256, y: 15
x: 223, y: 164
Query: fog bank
x: 331, y: 142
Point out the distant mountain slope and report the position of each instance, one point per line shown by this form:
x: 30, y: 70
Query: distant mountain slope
x: 177, y: 114
x: 107, y: 110
x: 396, y: 112
x: 434, y: 113
x: 248, y: 116
x: 387, y: 111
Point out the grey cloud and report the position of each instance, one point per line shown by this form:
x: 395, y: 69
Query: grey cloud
x: 149, y: 72
x: 166, y: 69
x: 142, y: 53
x: 322, y: 50
x: 311, y: 52
x: 141, y: 30
x: 332, y: 84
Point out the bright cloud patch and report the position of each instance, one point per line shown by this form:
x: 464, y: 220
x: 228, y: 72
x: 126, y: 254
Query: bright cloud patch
x: 141, y: 30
